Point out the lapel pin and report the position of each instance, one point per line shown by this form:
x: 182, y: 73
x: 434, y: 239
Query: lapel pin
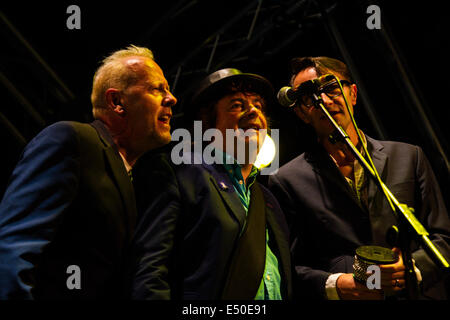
x: 223, y: 186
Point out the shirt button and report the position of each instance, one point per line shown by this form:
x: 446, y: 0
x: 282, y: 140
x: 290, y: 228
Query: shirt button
x: 241, y: 182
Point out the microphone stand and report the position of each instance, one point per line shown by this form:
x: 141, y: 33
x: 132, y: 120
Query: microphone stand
x: 409, y: 226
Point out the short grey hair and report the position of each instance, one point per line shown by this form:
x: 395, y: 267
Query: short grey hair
x: 113, y: 73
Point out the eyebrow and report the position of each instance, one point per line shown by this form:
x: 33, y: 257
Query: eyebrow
x: 158, y: 83
x: 241, y: 100
x: 259, y: 99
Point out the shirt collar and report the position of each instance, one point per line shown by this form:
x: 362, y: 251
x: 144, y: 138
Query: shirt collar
x: 234, y: 169
x: 126, y: 164
x: 361, y: 149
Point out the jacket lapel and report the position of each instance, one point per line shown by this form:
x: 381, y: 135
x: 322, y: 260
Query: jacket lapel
x: 379, y: 159
x: 247, y: 264
x: 119, y: 172
x: 221, y: 181
x: 325, y: 167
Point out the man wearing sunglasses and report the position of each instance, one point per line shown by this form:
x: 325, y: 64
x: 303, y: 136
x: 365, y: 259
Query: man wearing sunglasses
x: 333, y: 206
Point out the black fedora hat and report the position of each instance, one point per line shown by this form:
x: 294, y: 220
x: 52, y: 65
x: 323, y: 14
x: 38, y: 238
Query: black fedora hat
x: 210, y: 87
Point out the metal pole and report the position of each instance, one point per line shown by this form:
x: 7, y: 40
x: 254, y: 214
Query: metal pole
x: 31, y: 111
x: 336, y: 35
x: 416, y: 101
x: 254, y: 20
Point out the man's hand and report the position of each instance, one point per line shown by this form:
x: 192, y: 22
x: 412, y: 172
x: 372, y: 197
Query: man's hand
x: 393, y: 275
x: 349, y: 289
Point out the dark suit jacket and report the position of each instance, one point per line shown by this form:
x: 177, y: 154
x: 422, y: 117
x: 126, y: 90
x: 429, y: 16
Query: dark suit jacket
x: 328, y: 223
x: 69, y: 202
x: 189, y: 226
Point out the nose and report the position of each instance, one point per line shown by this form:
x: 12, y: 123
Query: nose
x: 326, y: 100
x: 250, y: 113
x: 169, y: 100
x: 252, y: 110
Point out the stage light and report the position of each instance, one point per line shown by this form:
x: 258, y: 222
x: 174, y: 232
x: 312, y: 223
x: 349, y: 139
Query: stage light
x: 266, y: 154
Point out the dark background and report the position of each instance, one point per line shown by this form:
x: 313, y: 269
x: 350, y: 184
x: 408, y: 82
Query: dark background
x: 46, y: 69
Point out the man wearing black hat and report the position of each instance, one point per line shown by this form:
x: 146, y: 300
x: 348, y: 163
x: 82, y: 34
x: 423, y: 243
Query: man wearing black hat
x: 211, y: 231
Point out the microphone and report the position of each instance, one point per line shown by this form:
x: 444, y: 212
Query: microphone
x: 287, y: 96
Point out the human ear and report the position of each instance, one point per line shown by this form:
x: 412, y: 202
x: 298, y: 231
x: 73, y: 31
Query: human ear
x: 114, y: 101
x: 353, y: 94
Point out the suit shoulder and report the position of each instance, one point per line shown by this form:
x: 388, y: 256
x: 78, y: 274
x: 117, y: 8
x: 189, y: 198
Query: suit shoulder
x: 66, y: 126
x: 59, y: 127
x: 400, y: 149
x: 293, y: 166
x: 398, y: 145
x: 189, y: 162
x: 192, y: 173
x: 71, y: 136
x: 56, y: 134
x: 62, y: 130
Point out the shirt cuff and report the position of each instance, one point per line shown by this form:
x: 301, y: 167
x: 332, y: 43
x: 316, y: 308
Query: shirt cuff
x: 417, y: 271
x: 330, y: 286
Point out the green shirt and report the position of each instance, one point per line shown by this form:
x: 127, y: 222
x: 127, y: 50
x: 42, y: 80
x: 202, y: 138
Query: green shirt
x: 358, y: 184
x: 269, y: 289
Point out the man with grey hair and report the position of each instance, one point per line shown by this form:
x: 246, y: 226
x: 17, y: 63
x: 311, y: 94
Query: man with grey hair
x: 69, y: 212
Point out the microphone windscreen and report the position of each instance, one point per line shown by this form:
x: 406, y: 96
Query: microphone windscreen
x: 284, y: 97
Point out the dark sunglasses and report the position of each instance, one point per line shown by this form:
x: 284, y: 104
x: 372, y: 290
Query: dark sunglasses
x: 330, y: 88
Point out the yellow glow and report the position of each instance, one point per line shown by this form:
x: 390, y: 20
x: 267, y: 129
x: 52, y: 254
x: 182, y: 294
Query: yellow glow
x: 266, y: 154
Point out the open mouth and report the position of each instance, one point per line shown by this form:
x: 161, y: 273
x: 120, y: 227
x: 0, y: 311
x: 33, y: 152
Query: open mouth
x: 250, y: 126
x: 332, y: 113
x: 165, y: 119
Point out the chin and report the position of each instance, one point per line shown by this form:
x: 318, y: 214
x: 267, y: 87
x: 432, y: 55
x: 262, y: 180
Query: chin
x: 165, y: 139
x: 253, y: 144
x: 162, y: 139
